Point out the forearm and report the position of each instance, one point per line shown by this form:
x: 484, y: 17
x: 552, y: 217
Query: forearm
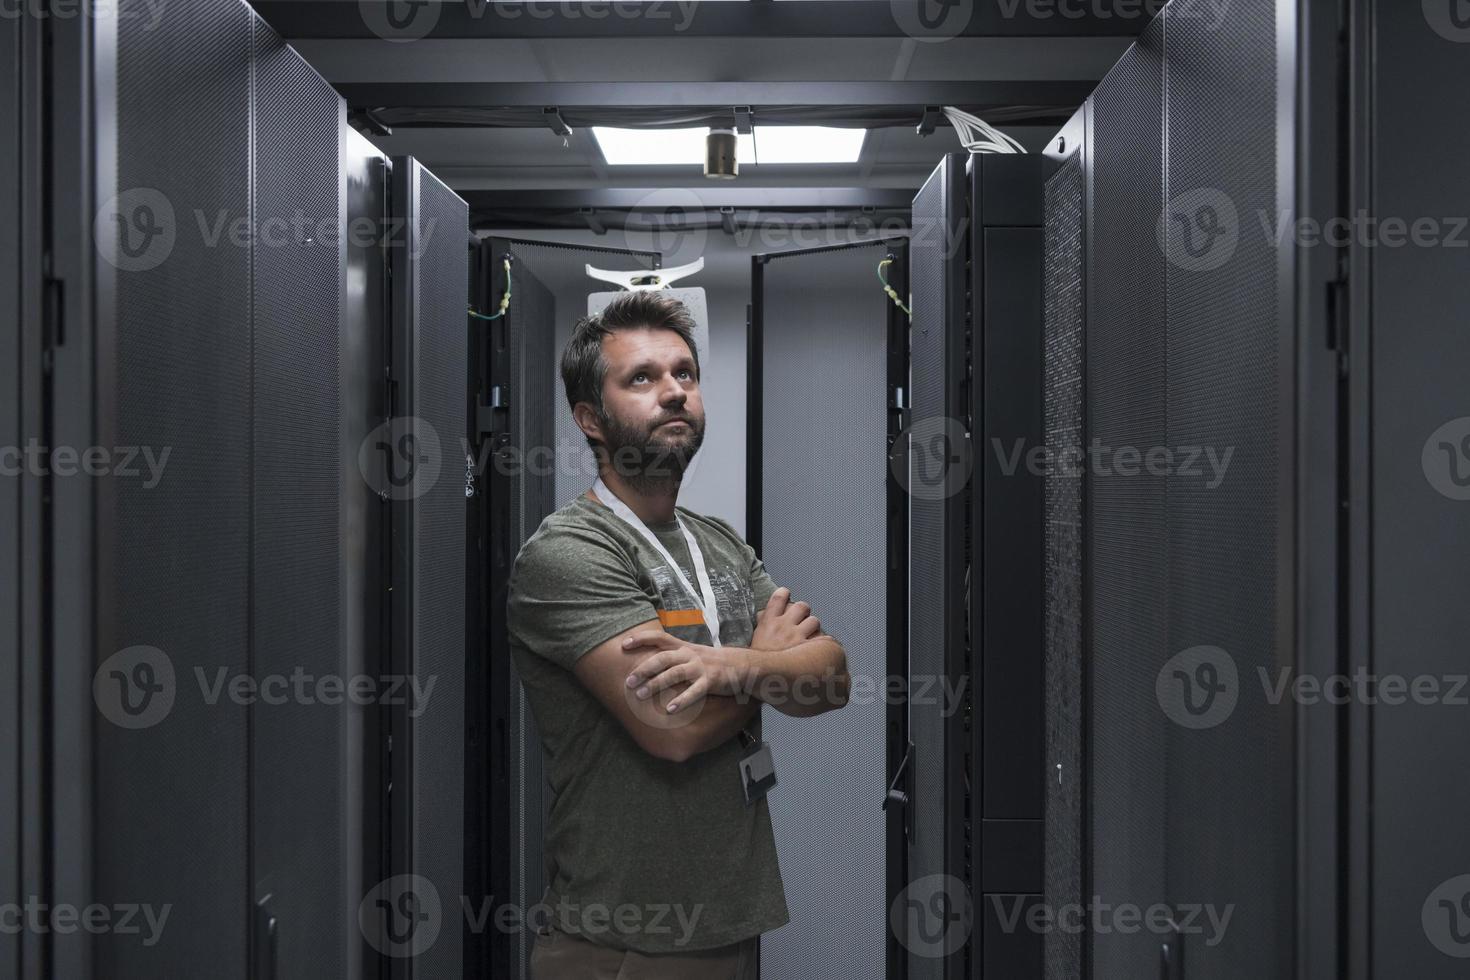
x: 804, y: 680
x: 720, y: 718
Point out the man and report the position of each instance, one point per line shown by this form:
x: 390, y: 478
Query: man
x: 659, y: 846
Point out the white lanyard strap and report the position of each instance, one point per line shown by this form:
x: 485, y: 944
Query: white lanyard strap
x: 710, y: 607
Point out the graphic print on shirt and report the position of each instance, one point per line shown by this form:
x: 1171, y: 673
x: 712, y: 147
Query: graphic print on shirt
x: 681, y: 615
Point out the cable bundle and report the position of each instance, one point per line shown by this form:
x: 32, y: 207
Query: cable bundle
x: 504, y: 300
x: 977, y: 135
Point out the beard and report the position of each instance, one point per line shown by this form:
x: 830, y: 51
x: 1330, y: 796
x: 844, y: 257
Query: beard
x: 650, y: 459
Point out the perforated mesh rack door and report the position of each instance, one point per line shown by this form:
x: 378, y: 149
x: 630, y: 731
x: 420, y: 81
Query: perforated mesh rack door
x: 1230, y: 797
x: 824, y: 509
x: 1128, y: 557
x: 217, y: 348
x: 1063, y: 603
x: 298, y: 747
x: 1188, y: 560
x: 171, y: 798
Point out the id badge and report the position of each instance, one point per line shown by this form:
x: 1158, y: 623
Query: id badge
x: 757, y: 772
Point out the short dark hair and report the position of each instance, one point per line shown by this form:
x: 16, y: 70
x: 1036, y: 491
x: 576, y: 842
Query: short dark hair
x: 584, y: 369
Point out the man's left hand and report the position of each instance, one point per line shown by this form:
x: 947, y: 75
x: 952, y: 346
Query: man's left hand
x: 707, y: 670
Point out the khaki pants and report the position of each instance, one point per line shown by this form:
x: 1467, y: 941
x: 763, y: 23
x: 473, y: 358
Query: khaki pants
x: 557, y: 955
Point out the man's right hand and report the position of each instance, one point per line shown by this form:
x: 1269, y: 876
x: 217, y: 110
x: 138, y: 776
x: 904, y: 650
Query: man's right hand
x: 783, y: 624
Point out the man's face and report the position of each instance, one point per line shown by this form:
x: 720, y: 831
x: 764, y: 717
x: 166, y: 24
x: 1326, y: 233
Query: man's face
x: 650, y: 383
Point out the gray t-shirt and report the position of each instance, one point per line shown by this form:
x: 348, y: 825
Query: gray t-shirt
x: 642, y: 853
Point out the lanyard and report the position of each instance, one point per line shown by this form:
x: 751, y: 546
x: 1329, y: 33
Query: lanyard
x: 710, y: 607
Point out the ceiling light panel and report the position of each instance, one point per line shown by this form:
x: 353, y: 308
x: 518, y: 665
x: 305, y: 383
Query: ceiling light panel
x: 661, y: 147
x: 808, y: 144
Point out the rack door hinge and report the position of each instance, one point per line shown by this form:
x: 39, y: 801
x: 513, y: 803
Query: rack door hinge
x: 485, y: 417
x: 1338, y: 322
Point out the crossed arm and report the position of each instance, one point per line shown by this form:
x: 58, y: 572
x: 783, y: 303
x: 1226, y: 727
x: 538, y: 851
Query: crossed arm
x: 679, y: 699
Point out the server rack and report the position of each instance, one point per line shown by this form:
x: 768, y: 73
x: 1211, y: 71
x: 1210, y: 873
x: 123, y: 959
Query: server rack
x: 179, y: 315
x: 1198, y: 328
x: 186, y: 293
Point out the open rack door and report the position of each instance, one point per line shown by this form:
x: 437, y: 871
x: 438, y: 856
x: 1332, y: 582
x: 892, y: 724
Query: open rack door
x: 826, y: 376
x: 526, y: 464
x: 427, y: 383
x: 935, y: 908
